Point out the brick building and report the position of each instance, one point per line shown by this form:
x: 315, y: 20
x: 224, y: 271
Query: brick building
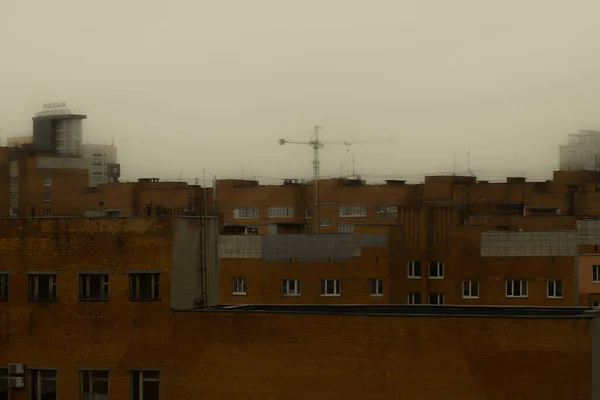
x: 117, y: 307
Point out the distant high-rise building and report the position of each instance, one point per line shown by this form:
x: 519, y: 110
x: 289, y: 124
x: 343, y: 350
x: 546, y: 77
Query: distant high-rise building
x: 58, y: 129
x: 102, y: 161
x: 582, y: 152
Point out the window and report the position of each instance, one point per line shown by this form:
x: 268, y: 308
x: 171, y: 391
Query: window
x: 93, y: 287
x: 144, y: 385
x: 414, y: 298
x: 47, y: 212
x: 470, y: 289
x: 325, y: 222
x: 239, y: 286
x: 113, y: 213
x: 3, y: 289
x: 42, y: 287
x: 14, y: 211
x: 387, y: 211
x: 436, y: 269
x: 596, y: 304
x: 42, y: 384
x: 281, y: 212
x: 309, y: 213
x: 48, y: 182
x: 353, y: 211
x: 13, y: 181
x: 330, y: 287
x: 14, y: 196
x: 346, y: 228
x: 596, y: 273
x: 47, y: 196
x: 3, y: 383
x: 436, y: 298
x: 144, y: 286
x: 414, y: 269
x: 376, y: 287
x: 555, y: 289
x: 94, y: 385
x: 291, y: 287
x: 516, y: 288
x: 245, y: 212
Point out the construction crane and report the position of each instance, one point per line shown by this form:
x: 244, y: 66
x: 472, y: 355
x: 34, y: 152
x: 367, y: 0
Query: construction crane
x: 317, y: 145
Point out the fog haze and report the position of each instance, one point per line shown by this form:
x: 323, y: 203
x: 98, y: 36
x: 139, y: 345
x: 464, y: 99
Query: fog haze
x: 187, y: 86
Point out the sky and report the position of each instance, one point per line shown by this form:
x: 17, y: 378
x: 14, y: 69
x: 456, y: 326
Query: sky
x: 195, y: 88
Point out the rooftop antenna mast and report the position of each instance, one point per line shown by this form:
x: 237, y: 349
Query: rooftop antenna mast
x: 469, y: 161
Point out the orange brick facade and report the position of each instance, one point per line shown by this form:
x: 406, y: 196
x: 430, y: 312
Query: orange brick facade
x: 244, y: 355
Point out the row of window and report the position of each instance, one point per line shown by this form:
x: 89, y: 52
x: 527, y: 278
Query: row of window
x: 92, y: 287
x: 515, y: 288
x: 288, y: 212
x: 94, y: 384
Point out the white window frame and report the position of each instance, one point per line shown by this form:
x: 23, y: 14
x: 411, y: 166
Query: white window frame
x: 47, y: 212
x: 35, y: 377
x: 345, y: 228
x: 135, y: 284
x: 47, y: 181
x: 325, y: 222
x: 352, y: 211
x: 551, y: 289
x: 335, y: 284
x: 14, y: 196
x: 439, y: 269
x: 595, y: 303
x: 85, y: 281
x: 376, y: 287
x: 47, y: 196
x: 309, y: 213
x: 291, y: 287
x: 141, y: 379
x: 238, y: 286
x: 411, y: 273
x: 245, y: 212
x: 412, y: 297
x: 14, y: 211
x: 595, y: 273
x: 281, y: 212
x: 512, y: 283
x: 467, y: 289
x: 89, y: 376
x: 52, y: 278
x: 439, y: 296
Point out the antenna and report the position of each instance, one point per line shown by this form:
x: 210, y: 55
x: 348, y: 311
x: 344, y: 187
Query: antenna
x: 242, y: 171
x: 353, y: 167
x: 454, y: 170
x: 469, y: 160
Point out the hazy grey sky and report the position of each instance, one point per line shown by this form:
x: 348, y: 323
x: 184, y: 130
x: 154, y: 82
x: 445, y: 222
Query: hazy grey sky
x: 213, y: 84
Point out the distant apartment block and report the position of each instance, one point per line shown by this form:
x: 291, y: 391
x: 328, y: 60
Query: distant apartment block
x: 582, y: 152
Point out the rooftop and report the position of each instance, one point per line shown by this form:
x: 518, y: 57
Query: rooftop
x: 415, y: 310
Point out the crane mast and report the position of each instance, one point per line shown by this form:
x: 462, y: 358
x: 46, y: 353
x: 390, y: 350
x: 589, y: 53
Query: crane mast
x: 317, y: 144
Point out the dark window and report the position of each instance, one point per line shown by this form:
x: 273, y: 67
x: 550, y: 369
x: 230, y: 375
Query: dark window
x: 414, y: 298
x: 94, y: 385
x: 414, y: 269
x: 93, y: 287
x: 3, y: 289
x: 144, y: 385
x: 3, y: 383
x: 436, y: 269
x: 42, y: 384
x: 144, y: 286
x: 42, y: 287
x: 330, y: 287
x: 436, y: 298
x: 376, y: 287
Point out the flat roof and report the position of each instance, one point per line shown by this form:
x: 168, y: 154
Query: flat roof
x: 413, y: 310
